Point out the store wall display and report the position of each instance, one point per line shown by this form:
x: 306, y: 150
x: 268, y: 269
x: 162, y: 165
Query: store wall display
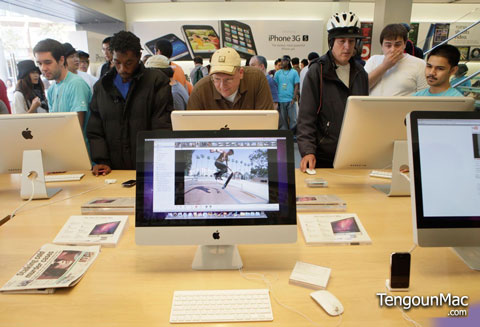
x: 271, y: 38
x: 239, y: 36
x: 179, y: 48
x: 202, y: 40
x: 440, y: 33
x: 468, y: 38
x: 464, y: 53
x: 475, y: 54
x: 366, y: 28
x: 413, y: 34
x: 468, y: 43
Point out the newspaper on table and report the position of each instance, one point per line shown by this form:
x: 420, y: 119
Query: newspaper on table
x: 53, y: 266
x: 90, y: 230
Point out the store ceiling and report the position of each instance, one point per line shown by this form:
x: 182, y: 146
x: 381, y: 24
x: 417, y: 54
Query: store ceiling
x: 415, y: 1
x: 57, y: 10
x: 69, y: 10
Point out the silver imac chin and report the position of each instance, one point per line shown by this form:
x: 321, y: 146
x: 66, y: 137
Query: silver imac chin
x: 33, y: 144
x: 215, y: 250
x: 373, y: 133
x: 444, y: 160
x: 189, y: 120
x: 215, y: 189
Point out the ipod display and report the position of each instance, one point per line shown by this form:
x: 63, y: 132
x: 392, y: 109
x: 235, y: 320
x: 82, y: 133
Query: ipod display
x: 238, y: 36
x: 202, y: 40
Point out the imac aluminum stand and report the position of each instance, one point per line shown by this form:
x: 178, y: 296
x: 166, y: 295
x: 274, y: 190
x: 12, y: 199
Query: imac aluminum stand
x: 399, y: 186
x: 32, y: 162
x: 469, y: 255
x: 217, y: 257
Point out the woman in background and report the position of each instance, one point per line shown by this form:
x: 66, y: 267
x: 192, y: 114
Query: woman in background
x: 29, y: 96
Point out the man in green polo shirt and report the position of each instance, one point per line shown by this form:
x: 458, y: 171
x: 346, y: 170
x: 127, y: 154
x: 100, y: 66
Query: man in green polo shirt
x: 70, y: 93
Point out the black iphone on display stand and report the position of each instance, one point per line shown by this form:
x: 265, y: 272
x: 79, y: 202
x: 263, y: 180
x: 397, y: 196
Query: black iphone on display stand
x: 399, y: 271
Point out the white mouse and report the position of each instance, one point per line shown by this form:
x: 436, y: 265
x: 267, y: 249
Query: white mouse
x: 311, y: 171
x: 328, y: 302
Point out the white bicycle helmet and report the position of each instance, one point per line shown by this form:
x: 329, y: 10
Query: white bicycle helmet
x: 344, y: 24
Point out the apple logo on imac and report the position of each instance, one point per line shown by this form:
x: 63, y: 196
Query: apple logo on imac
x: 27, y: 134
x: 216, y: 235
x: 225, y: 128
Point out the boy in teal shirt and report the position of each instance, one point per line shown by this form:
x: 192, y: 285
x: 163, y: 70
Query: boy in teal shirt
x: 70, y: 93
x: 442, y: 62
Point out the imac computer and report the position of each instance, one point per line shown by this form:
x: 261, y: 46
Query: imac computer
x: 34, y: 143
x: 215, y: 189
x: 373, y: 134
x: 188, y: 120
x: 444, y: 154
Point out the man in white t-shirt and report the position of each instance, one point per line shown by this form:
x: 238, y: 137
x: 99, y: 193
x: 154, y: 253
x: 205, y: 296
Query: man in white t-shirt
x: 395, y: 72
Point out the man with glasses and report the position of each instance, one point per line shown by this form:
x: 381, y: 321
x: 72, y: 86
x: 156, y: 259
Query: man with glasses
x: 231, y: 86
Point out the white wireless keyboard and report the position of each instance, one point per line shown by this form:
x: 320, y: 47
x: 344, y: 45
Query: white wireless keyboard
x: 221, y: 306
x: 63, y: 178
x: 381, y: 174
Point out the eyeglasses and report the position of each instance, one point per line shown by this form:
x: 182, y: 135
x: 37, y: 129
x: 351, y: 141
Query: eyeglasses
x: 226, y: 81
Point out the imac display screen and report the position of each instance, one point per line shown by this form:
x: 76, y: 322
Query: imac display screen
x: 446, y: 165
x: 215, y: 178
x: 450, y: 167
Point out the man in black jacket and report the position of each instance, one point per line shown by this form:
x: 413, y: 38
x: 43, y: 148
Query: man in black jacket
x: 330, y: 80
x: 128, y: 99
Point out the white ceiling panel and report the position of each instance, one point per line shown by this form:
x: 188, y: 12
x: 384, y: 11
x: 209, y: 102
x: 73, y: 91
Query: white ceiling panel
x: 368, y: 1
x: 57, y: 10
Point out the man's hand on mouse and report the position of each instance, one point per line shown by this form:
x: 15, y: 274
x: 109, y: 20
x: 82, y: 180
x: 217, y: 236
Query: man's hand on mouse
x: 308, y: 161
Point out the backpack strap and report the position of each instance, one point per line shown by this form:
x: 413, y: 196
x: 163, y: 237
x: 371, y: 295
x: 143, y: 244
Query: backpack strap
x: 321, y: 88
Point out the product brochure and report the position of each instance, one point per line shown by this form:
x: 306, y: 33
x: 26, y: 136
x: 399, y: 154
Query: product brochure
x: 325, y: 229
x: 90, y: 230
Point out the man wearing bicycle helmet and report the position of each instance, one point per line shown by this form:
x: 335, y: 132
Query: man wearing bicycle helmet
x: 330, y: 80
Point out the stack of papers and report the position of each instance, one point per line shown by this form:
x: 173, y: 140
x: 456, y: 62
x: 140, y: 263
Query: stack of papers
x: 109, y: 206
x: 325, y: 202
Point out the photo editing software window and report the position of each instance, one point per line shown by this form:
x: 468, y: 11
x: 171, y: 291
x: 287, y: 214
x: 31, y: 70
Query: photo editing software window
x: 219, y: 178
x: 450, y: 166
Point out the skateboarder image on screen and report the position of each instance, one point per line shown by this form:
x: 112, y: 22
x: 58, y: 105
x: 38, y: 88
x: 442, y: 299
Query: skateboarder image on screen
x: 222, y: 165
